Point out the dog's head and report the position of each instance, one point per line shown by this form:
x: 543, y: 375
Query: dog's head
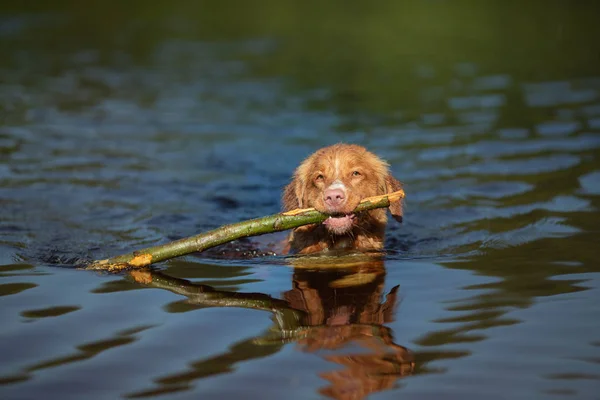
x: 335, y: 179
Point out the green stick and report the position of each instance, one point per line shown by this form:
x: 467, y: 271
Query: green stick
x: 228, y: 233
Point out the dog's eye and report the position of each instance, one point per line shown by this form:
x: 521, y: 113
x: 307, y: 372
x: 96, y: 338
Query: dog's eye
x: 319, y: 177
x: 355, y: 173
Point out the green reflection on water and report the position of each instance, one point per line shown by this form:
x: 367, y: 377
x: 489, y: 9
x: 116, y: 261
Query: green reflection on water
x: 367, y: 52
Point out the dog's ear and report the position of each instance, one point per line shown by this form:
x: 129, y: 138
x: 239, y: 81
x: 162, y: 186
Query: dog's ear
x: 393, y: 185
x: 292, y: 195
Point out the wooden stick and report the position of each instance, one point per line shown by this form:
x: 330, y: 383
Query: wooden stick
x: 260, y: 226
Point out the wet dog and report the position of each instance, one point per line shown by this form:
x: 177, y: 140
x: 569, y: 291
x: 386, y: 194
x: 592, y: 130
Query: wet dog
x: 334, y: 180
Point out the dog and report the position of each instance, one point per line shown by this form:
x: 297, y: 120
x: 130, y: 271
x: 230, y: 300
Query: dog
x: 334, y: 180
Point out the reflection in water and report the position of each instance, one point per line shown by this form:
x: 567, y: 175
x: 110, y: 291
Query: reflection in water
x: 84, y: 352
x: 344, y: 309
x: 334, y: 311
x: 49, y: 312
x: 14, y: 288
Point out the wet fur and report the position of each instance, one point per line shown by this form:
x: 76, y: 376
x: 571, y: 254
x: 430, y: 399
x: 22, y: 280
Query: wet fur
x: 338, y: 162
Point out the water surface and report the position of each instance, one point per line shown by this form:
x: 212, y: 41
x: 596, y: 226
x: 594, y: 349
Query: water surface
x: 123, y: 127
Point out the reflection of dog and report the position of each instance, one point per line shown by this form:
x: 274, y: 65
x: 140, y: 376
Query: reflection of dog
x: 343, y: 306
x: 335, y: 304
x: 334, y: 180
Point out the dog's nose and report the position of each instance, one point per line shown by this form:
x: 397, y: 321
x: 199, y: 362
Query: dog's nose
x: 334, y: 198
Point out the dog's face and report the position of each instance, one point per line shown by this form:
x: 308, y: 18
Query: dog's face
x: 335, y: 179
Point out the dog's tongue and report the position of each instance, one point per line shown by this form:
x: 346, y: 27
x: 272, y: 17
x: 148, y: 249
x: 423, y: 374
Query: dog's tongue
x: 339, y: 225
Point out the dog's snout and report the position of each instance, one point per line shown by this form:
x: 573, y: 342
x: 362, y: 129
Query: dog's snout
x: 334, y: 198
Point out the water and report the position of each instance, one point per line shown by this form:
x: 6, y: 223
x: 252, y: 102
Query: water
x: 123, y: 127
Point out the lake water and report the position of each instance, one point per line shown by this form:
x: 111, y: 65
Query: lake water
x: 129, y: 125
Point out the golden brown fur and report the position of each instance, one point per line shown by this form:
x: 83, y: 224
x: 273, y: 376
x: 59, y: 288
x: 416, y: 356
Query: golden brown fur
x: 334, y: 180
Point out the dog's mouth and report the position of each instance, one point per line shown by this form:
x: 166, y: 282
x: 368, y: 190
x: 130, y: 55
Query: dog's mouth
x: 340, y: 224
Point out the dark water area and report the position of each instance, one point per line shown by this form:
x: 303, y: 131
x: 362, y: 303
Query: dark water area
x: 129, y: 124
